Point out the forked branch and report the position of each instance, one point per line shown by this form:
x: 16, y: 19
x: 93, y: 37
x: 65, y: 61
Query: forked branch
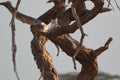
x: 21, y: 17
x: 85, y: 56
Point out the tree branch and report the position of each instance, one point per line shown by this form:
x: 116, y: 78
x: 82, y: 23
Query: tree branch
x: 86, y: 56
x: 66, y: 29
x: 14, y: 47
x: 75, y: 15
x: 23, y: 18
x: 98, y: 51
x: 54, y: 12
x: 88, y: 16
x: 105, y: 10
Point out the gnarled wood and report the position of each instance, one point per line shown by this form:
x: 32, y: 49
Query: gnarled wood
x: 87, y: 57
x: 43, y: 58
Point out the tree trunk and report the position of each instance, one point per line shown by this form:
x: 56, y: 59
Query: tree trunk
x: 43, y: 58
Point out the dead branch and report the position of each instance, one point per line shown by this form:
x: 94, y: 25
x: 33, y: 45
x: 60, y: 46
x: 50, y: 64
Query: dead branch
x: 105, y: 10
x: 58, y: 50
x: 14, y: 47
x: 23, y: 18
x: 98, y: 51
x: 59, y: 6
x: 117, y: 5
x: 84, y: 19
x: 86, y: 56
x: 75, y: 15
x: 109, y: 4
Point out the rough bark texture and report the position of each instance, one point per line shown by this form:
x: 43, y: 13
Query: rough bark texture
x: 87, y: 57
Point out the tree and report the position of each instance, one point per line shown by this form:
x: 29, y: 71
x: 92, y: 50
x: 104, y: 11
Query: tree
x: 58, y: 34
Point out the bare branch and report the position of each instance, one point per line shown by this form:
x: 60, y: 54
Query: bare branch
x: 108, y: 42
x: 59, y: 6
x: 14, y: 47
x: 117, y: 5
x: 85, y: 56
x: 102, y: 49
x: 105, y: 10
x: 73, y: 8
x: 109, y: 4
x: 23, y: 18
x: 58, y: 50
x: 89, y: 15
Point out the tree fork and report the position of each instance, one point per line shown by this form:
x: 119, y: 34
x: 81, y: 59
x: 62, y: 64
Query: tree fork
x: 86, y: 57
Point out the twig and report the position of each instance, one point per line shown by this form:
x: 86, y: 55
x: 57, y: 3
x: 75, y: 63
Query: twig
x: 20, y: 16
x: 40, y: 77
x: 103, y: 48
x: 58, y: 50
x: 117, y: 5
x: 14, y: 47
x: 109, y: 4
x: 81, y: 30
x: 108, y: 42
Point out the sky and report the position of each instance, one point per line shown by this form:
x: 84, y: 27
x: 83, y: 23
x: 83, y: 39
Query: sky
x: 99, y: 29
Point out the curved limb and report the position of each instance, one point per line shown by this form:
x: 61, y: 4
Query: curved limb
x: 75, y: 15
x: 14, y: 47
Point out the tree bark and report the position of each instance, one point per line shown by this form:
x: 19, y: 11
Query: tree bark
x: 43, y: 58
x: 87, y: 57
